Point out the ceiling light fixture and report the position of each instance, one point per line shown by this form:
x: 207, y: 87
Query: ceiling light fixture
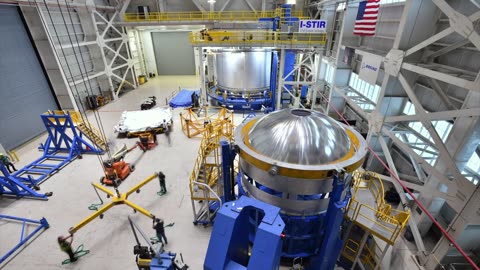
x: 211, y: 1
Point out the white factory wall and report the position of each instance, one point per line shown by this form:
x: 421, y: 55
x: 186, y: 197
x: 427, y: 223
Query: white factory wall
x: 149, y: 54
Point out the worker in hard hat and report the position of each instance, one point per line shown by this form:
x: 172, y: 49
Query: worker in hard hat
x: 66, y: 246
x: 6, y: 161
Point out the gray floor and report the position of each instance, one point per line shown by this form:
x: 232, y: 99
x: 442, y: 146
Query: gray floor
x: 110, y: 240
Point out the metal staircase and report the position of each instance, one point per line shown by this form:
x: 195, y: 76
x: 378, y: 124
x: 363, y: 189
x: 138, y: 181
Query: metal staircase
x: 92, y: 134
x: 373, y: 225
x: 205, y: 188
x: 87, y: 129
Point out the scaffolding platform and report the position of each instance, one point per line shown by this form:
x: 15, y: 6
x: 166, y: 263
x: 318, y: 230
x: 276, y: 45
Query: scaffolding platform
x: 373, y: 226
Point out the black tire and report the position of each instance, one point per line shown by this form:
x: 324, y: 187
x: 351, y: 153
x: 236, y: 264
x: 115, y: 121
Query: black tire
x: 132, y: 168
x: 101, y: 180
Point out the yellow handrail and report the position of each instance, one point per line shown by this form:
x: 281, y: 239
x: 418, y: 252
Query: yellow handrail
x: 244, y: 15
x: 256, y: 38
x: 381, y: 220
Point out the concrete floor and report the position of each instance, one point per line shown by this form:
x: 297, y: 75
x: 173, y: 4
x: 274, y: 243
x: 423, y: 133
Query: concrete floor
x: 110, y: 239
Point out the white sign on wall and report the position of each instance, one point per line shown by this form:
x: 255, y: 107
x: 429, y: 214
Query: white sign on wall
x: 369, y: 68
x: 312, y: 26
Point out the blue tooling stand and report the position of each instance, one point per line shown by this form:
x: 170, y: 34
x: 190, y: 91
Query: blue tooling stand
x: 229, y: 243
x: 63, y: 145
x: 317, y: 236
x: 163, y: 263
x: 43, y: 224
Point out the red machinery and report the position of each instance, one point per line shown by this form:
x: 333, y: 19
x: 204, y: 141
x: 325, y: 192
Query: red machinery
x: 116, y: 171
x: 148, y: 140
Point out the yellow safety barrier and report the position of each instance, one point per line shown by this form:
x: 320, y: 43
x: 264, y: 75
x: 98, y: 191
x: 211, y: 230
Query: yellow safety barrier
x: 13, y: 155
x: 209, y: 16
x: 256, y: 38
x: 381, y: 220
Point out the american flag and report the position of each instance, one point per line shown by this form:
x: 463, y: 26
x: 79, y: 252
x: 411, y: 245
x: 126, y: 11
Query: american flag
x: 366, y: 18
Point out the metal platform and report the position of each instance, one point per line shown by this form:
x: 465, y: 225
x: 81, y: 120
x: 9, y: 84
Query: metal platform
x: 258, y: 39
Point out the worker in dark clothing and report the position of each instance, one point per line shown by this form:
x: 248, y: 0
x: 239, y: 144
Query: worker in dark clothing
x: 67, y: 246
x: 6, y: 161
x: 160, y: 229
x: 166, y: 130
x: 163, y: 188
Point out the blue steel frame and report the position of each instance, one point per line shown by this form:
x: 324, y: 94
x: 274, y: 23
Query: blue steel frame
x: 229, y: 243
x: 43, y: 224
x: 315, y: 236
x: 62, y: 138
x: 240, y: 103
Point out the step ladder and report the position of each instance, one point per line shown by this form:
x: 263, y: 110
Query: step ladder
x: 93, y: 135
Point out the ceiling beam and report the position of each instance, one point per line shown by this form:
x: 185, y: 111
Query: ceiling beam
x: 443, y: 152
x: 447, y: 49
x: 434, y: 116
x: 470, y: 85
x: 198, y: 5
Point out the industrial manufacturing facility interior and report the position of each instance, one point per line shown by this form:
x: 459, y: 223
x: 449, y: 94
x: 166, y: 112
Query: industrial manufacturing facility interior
x: 240, y: 134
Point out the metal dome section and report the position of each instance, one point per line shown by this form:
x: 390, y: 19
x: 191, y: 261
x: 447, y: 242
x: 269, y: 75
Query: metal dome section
x: 242, y: 77
x: 290, y: 159
x: 243, y: 71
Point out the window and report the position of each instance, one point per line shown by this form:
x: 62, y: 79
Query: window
x: 371, y: 92
x: 341, y: 6
x: 420, y: 140
x: 472, y: 169
x: 329, y: 74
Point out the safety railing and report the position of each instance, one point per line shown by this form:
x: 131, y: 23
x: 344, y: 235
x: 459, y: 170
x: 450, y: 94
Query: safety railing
x: 208, y: 146
x: 256, y: 38
x: 369, y: 257
x: 381, y: 220
x: 208, y: 16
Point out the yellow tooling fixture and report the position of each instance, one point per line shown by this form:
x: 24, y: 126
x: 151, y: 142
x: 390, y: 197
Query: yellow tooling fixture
x: 117, y: 199
x: 209, y: 16
x: 194, y: 120
x: 257, y: 38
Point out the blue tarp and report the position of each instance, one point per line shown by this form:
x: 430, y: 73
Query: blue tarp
x: 183, y: 98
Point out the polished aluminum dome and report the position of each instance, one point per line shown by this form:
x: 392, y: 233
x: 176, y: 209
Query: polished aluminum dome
x: 300, y: 137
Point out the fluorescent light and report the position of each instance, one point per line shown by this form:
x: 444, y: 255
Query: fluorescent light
x: 211, y: 1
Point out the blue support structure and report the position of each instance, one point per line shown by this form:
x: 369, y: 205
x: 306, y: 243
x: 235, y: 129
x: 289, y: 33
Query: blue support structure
x: 12, y: 186
x: 229, y: 243
x: 315, y: 236
x: 43, y: 224
x: 228, y: 155
x: 273, y: 78
x: 64, y: 144
x: 289, y: 66
x: 163, y: 261
x: 332, y: 243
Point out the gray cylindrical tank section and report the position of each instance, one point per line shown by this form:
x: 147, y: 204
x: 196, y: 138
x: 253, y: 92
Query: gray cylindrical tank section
x: 243, y: 71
